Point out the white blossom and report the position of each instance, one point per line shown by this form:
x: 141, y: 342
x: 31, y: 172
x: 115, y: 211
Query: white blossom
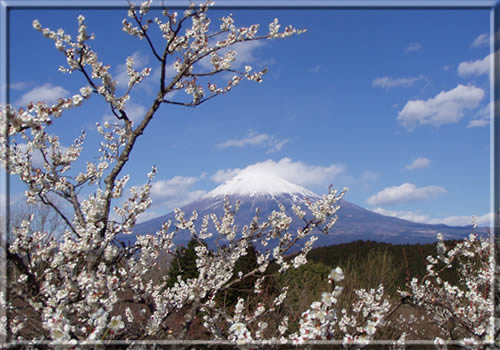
x: 116, y: 323
x: 336, y: 275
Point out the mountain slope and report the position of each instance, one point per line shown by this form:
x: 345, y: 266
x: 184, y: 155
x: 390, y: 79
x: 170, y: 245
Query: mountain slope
x: 264, y: 191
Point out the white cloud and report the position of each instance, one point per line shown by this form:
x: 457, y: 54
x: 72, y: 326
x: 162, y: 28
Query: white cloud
x: 388, y: 82
x: 148, y: 215
x: 168, y: 188
x: 172, y: 193
x: 246, y: 52
x: 294, y: 171
x: 481, y: 220
x: 481, y: 40
x: 414, y: 46
x: 445, y: 108
x: 252, y: 139
x: 255, y: 138
x: 403, y: 214
x: 415, y: 216
x: 404, y: 193
x: 484, y: 116
x: 47, y: 93
x: 478, y: 123
x: 475, y: 68
x: 484, y: 220
x: 222, y: 176
x: 419, y: 163
x: 134, y: 111
x: 20, y: 85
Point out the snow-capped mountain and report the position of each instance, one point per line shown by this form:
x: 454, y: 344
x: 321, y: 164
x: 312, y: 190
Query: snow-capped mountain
x: 265, y: 191
x: 253, y: 190
x: 259, y: 184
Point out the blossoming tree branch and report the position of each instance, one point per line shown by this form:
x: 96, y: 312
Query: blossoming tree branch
x: 85, y: 286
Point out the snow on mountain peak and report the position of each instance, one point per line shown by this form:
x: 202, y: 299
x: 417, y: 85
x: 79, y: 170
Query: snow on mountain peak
x: 255, y: 183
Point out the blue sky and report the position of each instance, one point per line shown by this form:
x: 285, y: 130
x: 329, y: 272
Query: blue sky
x: 393, y: 104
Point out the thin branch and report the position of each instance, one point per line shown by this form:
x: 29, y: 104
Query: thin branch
x: 139, y: 22
x: 46, y: 201
x: 82, y: 69
x: 123, y: 159
x: 191, y: 104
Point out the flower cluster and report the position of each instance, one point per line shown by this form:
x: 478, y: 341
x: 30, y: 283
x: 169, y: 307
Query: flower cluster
x: 199, y: 42
x: 324, y: 320
x: 368, y: 313
x: 463, y: 310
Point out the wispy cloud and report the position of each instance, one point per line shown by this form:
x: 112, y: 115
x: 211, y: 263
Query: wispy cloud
x: 484, y: 116
x: 445, y: 108
x: 276, y: 145
x: 419, y: 163
x: 388, y: 82
x: 475, y: 68
x: 47, y: 93
x: 19, y: 85
x: 481, y: 40
x: 478, y: 123
x: 416, y: 216
x: 315, y: 69
x: 404, y: 193
x: 403, y: 214
x: 413, y: 46
x: 296, y: 172
x: 368, y: 176
x: 252, y: 139
x: 255, y: 138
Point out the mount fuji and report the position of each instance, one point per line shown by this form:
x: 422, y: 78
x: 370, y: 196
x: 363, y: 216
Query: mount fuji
x: 265, y: 191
